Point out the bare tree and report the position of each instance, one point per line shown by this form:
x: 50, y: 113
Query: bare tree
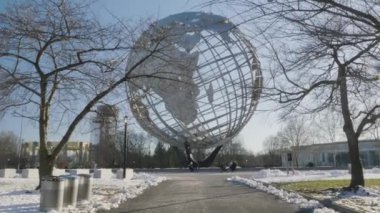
x: 138, y: 148
x: 322, y: 55
x: 328, y: 124
x: 232, y: 151
x: 375, y: 131
x: 275, y: 143
x: 8, y: 148
x: 273, y: 147
x: 295, y: 134
x: 56, y: 63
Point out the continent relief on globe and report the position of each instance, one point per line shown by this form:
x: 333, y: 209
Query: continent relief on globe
x: 173, y: 72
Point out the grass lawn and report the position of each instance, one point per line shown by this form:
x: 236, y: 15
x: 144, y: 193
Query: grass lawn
x: 320, y: 185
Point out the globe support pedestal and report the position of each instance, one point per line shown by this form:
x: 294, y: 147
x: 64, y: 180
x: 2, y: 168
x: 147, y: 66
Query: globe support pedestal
x: 193, y: 164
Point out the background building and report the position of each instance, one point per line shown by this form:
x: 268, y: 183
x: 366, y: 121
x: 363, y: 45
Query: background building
x: 74, y: 154
x: 104, y: 150
x: 336, y: 154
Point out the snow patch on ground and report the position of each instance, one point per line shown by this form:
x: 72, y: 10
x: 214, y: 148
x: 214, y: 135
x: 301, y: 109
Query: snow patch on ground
x: 363, y: 199
x: 289, y: 197
x: 18, y: 194
x: 277, y: 176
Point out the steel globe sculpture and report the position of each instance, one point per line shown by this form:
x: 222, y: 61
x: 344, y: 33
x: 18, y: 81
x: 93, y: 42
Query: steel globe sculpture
x: 198, y: 81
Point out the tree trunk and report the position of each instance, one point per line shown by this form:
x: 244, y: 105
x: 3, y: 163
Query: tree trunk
x: 357, y: 177
x: 45, y: 159
x: 46, y: 165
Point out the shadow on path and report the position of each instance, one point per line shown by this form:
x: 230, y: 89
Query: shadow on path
x: 189, y: 201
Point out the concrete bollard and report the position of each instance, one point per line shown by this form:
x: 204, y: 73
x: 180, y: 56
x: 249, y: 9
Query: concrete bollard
x: 70, y: 193
x: 79, y: 171
x: 59, y: 172
x: 52, y: 188
x: 128, y: 174
x: 7, y: 173
x: 30, y: 173
x: 84, y: 187
x: 103, y: 173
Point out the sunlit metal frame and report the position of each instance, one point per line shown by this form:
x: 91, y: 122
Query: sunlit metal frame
x: 233, y: 77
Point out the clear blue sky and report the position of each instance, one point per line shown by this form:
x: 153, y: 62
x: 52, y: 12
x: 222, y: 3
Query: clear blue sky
x: 260, y: 126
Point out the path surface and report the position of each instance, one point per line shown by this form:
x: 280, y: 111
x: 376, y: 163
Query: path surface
x: 204, y: 192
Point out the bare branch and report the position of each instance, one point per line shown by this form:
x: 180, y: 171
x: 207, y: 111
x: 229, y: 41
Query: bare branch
x: 370, y: 118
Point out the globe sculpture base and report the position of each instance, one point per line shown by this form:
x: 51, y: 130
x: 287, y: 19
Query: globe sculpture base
x: 194, y: 164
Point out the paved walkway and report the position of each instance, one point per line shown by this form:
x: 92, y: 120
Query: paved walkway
x: 204, y: 192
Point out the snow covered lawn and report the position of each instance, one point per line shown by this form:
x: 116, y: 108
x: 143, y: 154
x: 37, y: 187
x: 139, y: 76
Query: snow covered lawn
x: 364, y: 199
x: 17, y: 194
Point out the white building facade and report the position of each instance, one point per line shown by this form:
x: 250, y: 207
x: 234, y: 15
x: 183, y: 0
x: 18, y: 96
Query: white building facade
x: 74, y: 152
x: 335, y: 155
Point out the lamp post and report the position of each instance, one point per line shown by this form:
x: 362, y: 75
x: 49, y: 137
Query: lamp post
x: 125, y: 145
